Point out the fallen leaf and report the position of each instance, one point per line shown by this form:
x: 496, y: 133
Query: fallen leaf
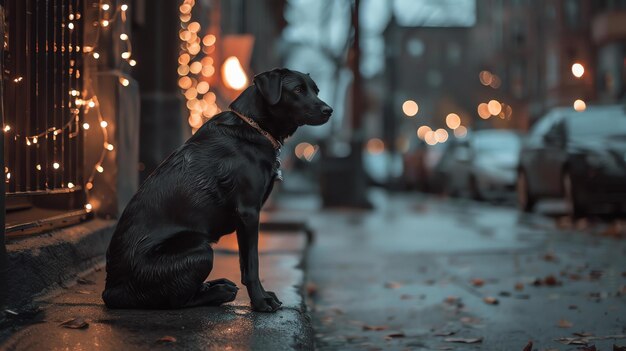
x: 551, y: 281
x: 491, y: 300
x: 477, y: 282
x: 85, y: 281
x: 586, y: 340
x: 311, y: 289
x: 619, y: 348
x: 167, y: 338
x: 528, y: 347
x: 573, y: 341
x: 375, y: 327
x: 395, y: 335
x: 504, y: 293
x: 75, y: 323
x: 445, y: 333
x: 405, y: 297
x: 470, y: 320
x: 445, y: 348
x: 519, y: 286
x: 572, y: 307
x: 464, y: 340
x: 582, y: 334
x: 564, y: 323
x: 451, y: 300
x: 393, y: 285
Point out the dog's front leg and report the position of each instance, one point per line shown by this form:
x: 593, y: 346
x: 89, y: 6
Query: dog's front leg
x: 248, y: 240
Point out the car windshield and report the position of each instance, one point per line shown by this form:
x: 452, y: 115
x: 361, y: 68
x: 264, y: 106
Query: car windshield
x: 598, y: 124
x: 501, y: 143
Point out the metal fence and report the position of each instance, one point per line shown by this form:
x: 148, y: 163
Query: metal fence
x: 42, y: 85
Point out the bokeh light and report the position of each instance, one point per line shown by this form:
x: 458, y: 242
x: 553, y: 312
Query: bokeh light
x: 410, y: 108
x: 453, y: 121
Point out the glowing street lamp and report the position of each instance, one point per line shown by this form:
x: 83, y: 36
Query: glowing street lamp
x: 578, y: 70
x: 233, y: 74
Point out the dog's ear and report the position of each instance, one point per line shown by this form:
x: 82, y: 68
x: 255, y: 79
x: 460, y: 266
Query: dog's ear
x: 270, y: 85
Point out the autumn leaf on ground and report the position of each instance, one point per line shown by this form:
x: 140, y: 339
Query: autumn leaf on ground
x: 464, y: 340
x: 519, y: 286
x: 445, y: 333
x: 528, y: 347
x: 75, y: 323
x: 393, y: 285
x: 395, y: 335
x: 477, y: 282
x: 582, y: 334
x: 491, y: 300
x: 564, y: 323
x: 85, y: 281
x: 375, y: 327
x: 405, y: 297
x: 311, y: 289
x: 167, y: 338
x: 451, y: 300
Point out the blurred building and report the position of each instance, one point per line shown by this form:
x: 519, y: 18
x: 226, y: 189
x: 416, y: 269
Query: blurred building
x: 426, y: 65
x: 531, y: 46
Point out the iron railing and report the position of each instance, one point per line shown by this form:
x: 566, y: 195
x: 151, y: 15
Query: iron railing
x: 42, y: 121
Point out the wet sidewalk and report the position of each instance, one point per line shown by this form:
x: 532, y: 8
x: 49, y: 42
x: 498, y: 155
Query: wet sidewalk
x: 76, y: 319
x: 424, y: 273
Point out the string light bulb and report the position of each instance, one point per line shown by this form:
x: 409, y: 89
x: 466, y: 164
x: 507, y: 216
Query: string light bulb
x: 99, y: 168
x: 7, y: 128
x: 88, y: 207
x: 105, y: 7
x: 109, y: 146
x: 70, y: 185
x: 124, y: 36
x: 124, y: 7
x: 132, y: 63
x: 105, y: 23
x: 56, y: 165
x: 103, y: 124
x: 85, y: 126
x: 126, y: 55
x: 96, y: 55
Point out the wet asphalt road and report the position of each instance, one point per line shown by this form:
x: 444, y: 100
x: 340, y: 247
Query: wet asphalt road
x: 419, y: 270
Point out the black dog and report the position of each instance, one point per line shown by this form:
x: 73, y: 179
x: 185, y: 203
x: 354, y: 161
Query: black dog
x: 214, y: 184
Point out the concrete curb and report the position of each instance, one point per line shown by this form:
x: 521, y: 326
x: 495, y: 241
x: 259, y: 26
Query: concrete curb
x: 45, y: 262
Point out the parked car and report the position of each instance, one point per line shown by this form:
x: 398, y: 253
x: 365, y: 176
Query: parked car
x: 483, y: 165
x: 578, y: 156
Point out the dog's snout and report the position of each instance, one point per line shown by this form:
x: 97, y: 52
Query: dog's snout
x: 327, y: 111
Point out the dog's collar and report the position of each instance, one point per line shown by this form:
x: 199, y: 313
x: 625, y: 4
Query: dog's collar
x: 277, y: 144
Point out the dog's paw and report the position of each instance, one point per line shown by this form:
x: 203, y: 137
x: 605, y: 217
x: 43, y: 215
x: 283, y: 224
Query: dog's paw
x: 267, y: 303
x: 221, y: 281
x: 224, y: 292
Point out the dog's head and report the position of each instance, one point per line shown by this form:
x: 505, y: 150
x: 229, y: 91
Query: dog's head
x: 292, y: 94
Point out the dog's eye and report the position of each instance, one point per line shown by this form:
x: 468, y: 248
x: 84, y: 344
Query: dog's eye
x: 298, y: 89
